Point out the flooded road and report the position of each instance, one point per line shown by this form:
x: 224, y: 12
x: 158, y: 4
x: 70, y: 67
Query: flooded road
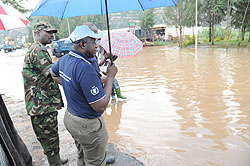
x: 183, y: 108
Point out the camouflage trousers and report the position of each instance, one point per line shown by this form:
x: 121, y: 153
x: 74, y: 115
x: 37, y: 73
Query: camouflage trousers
x: 46, y: 130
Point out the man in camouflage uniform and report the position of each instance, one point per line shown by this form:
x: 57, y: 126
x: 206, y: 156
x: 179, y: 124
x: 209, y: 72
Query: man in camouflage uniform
x: 42, y: 94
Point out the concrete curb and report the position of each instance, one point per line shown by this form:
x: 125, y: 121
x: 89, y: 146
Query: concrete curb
x: 122, y: 159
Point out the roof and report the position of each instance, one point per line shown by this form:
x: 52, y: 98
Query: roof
x: 159, y: 26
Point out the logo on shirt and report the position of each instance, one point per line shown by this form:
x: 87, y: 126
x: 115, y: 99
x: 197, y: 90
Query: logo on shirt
x: 94, y: 90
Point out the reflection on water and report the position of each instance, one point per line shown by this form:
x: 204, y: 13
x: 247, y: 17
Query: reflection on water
x: 184, y: 107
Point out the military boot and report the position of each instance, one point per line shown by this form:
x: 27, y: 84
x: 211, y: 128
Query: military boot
x: 55, y: 160
x: 118, y: 93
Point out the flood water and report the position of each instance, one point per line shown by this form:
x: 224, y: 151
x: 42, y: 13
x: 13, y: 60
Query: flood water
x: 184, y: 108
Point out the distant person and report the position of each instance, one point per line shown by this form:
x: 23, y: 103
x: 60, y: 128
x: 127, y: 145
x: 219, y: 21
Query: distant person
x: 163, y: 38
x: 159, y: 37
x: 103, y: 56
x: 42, y: 94
x: 86, y: 97
x: 116, y: 90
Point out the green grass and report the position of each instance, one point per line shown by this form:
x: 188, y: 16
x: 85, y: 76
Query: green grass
x: 232, y: 43
x: 221, y: 43
x: 160, y: 43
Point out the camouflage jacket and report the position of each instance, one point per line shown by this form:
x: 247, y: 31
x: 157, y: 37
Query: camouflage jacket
x: 42, y: 94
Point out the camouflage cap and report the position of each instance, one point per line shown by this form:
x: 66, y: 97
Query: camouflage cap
x: 44, y: 26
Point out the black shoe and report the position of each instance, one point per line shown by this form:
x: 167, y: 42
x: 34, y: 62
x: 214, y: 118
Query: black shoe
x: 110, y: 159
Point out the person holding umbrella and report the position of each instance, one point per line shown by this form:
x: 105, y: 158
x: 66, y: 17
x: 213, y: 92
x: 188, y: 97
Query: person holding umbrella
x: 42, y: 95
x: 103, y: 57
x: 87, y: 99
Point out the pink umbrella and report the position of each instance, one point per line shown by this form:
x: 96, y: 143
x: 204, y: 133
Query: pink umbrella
x: 123, y: 44
x: 10, y: 18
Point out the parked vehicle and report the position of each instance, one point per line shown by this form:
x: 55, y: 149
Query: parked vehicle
x: 9, y: 44
x: 60, y: 47
x: 19, y: 46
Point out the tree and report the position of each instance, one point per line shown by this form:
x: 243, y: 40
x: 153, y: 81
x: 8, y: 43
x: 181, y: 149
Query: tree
x: 214, y: 12
x: 241, y: 16
x: 62, y: 25
x: 180, y: 16
x: 147, y: 21
x: 16, y: 4
x: 243, y: 22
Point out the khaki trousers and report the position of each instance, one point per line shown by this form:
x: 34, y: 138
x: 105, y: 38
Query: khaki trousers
x: 91, y: 138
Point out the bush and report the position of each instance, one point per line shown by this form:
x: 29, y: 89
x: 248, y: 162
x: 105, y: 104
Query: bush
x: 220, y: 33
x: 204, y: 40
x: 234, y: 34
x: 230, y: 37
x: 160, y: 43
x: 187, y: 37
x: 217, y: 39
x: 188, y: 41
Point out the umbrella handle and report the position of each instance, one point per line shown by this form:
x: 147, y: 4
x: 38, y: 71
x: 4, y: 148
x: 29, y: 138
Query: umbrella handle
x: 108, y: 62
x: 111, y: 59
x: 107, y: 18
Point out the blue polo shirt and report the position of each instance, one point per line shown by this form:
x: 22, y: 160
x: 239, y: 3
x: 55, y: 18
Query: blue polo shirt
x: 81, y: 81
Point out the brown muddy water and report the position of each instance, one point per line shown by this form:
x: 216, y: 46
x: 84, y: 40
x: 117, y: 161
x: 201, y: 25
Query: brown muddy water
x: 183, y: 108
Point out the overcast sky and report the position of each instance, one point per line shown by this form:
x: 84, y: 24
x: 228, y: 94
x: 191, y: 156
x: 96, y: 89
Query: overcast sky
x: 31, y: 4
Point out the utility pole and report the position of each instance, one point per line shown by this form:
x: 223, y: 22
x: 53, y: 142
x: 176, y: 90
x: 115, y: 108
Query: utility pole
x: 196, y: 25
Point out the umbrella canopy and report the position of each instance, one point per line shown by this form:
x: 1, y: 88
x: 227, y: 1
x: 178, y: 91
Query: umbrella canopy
x: 10, y: 18
x: 70, y: 8
x: 123, y: 44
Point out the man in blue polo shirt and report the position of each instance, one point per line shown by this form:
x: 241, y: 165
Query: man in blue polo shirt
x: 87, y: 99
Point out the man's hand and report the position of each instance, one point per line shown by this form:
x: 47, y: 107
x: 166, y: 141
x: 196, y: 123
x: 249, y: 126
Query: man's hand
x: 106, y: 55
x: 112, y: 70
x: 114, y: 57
x: 55, y: 78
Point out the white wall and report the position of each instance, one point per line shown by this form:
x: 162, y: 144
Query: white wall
x: 171, y: 30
